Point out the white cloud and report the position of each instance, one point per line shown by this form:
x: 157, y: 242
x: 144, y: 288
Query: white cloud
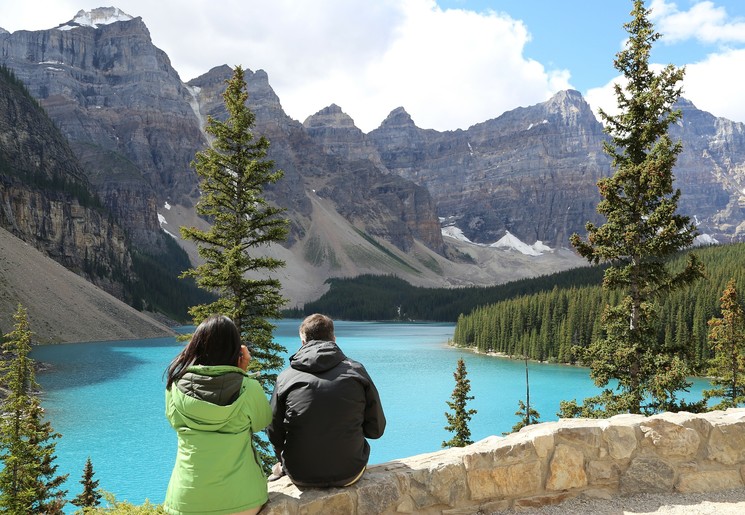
x: 715, y: 84
x: 448, y: 69
x: 704, y: 21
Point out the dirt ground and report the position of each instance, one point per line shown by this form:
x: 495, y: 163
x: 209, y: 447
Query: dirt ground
x: 63, y: 307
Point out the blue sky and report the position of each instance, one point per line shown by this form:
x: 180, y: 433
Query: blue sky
x: 450, y: 63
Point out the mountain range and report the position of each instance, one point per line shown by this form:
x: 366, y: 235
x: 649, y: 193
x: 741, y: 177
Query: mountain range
x: 421, y: 204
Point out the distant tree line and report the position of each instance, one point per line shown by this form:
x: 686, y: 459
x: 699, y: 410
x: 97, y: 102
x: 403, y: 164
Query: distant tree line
x: 375, y: 297
x: 158, y: 286
x: 546, y: 325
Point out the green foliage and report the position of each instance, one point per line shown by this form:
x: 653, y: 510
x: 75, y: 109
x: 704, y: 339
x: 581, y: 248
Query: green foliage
x: 233, y: 174
x: 159, y: 287
x: 727, y: 339
x: 555, y: 325
x: 114, y: 507
x: 375, y: 297
x: 90, y: 496
x: 28, y: 480
x: 642, y: 230
x: 528, y: 416
x: 459, y: 418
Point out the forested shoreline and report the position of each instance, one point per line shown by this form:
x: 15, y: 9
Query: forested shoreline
x: 546, y: 325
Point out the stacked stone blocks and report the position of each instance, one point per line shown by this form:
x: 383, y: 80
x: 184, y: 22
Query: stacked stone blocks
x: 544, y: 464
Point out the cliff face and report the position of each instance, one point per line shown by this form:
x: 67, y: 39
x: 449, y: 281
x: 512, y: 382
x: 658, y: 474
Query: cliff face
x: 115, y: 95
x: 134, y: 127
x: 45, y: 198
x: 329, y: 157
x: 711, y: 171
x: 533, y: 171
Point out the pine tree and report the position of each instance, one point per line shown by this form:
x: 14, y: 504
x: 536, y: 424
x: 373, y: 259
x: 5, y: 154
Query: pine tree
x: 727, y: 339
x: 28, y: 480
x: 459, y: 418
x: 642, y: 231
x: 90, y: 496
x: 527, y: 414
x: 233, y: 174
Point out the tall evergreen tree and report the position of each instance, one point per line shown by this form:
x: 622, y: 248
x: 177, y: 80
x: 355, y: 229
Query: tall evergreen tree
x: 233, y: 174
x: 459, y: 418
x: 90, y: 496
x: 642, y: 230
x: 727, y: 339
x: 28, y: 480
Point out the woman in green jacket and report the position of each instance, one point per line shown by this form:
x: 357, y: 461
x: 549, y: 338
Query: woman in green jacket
x: 214, y: 406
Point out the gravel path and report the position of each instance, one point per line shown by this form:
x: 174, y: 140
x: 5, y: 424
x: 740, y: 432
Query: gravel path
x: 729, y: 502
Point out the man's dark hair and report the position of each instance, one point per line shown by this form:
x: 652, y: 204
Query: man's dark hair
x: 317, y: 327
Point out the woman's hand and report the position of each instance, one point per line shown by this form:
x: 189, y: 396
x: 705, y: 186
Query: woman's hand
x: 244, y: 358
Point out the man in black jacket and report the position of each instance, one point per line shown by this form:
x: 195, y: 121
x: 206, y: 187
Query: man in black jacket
x: 324, y: 406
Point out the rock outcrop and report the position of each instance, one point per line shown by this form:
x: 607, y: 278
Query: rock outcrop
x: 533, y: 171
x: 45, y: 196
x: 115, y: 96
x: 542, y: 465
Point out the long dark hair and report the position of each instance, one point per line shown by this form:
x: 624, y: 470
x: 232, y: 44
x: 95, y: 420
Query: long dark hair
x: 215, y: 342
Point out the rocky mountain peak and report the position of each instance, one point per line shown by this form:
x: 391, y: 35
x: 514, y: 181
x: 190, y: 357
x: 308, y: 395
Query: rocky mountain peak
x: 330, y: 117
x: 570, y: 107
x: 398, y: 118
x: 96, y: 17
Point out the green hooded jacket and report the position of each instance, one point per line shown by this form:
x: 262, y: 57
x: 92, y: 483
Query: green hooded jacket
x: 214, y: 410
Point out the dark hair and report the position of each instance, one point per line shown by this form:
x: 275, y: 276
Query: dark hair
x: 317, y: 327
x: 215, y: 342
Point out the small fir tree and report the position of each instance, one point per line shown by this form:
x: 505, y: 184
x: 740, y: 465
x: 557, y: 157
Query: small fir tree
x: 642, y: 231
x: 90, y: 496
x: 727, y: 340
x: 459, y: 418
x: 28, y: 480
x: 527, y: 414
x: 233, y: 173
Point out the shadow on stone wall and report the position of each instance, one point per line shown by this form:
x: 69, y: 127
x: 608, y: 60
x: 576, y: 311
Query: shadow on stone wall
x: 543, y: 464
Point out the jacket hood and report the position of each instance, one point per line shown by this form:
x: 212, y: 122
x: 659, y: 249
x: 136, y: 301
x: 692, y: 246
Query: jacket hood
x: 317, y: 356
x: 207, y: 397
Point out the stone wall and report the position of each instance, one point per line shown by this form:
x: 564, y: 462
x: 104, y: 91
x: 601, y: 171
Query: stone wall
x: 541, y: 465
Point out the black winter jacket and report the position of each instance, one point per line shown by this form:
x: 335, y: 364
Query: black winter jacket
x: 323, y: 408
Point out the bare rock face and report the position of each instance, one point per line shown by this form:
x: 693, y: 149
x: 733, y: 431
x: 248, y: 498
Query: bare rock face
x: 710, y: 172
x: 330, y: 157
x: 46, y: 199
x: 109, y: 88
x: 387, y: 205
x: 533, y: 171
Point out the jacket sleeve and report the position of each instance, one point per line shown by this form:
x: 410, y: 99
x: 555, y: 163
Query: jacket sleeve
x: 258, y: 407
x: 374, y: 424
x: 276, y: 429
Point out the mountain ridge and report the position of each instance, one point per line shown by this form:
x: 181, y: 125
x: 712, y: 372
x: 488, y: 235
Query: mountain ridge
x: 530, y: 172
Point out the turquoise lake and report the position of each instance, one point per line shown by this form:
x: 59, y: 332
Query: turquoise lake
x: 107, y: 400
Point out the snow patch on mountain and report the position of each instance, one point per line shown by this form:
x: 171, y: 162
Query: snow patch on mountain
x: 511, y: 242
x: 96, y: 17
x: 507, y: 242
x: 452, y: 231
x: 704, y: 239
